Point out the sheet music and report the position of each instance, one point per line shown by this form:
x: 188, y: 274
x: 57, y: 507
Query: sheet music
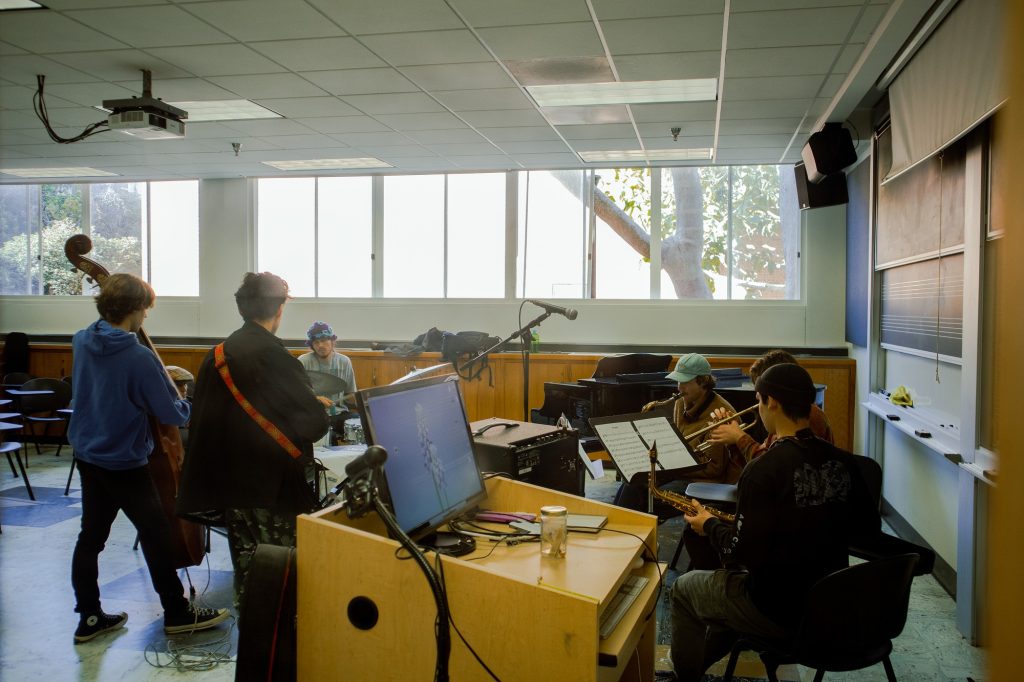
x: 625, y: 447
x: 672, y: 453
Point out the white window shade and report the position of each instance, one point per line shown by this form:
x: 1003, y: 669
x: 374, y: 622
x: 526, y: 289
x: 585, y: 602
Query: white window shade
x: 952, y: 84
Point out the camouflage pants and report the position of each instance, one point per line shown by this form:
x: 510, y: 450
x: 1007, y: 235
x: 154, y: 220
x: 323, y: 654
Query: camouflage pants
x: 250, y: 527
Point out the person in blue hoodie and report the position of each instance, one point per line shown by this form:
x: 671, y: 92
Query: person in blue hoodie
x: 118, y: 383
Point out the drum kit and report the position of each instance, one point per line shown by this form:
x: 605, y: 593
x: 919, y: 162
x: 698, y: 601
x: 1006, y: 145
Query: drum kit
x: 327, y: 384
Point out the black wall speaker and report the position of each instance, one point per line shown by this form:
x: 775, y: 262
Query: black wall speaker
x: 829, y: 192
x: 828, y: 151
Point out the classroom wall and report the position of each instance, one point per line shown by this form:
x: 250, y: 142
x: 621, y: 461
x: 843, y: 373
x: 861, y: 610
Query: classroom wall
x: 227, y: 251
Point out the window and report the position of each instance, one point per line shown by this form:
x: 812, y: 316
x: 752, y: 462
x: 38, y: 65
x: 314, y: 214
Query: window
x: 345, y: 237
x: 285, y: 231
x: 552, y: 234
x: 414, y: 236
x: 476, y: 235
x: 148, y: 229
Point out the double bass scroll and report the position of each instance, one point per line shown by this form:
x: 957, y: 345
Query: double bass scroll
x: 188, y: 541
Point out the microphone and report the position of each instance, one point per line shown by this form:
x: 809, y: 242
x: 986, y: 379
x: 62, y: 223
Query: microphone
x: 552, y: 308
x: 374, y: 456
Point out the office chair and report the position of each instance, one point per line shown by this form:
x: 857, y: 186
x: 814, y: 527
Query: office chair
x: 848, y: 622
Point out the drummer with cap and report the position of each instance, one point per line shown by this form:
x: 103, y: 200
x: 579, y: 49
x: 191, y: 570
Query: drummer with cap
x: 322, y: 358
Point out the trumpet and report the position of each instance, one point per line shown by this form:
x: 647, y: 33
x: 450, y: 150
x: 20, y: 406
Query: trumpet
x: 718, y: 423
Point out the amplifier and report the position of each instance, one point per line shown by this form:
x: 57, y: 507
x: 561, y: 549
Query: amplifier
x: 533, y: 453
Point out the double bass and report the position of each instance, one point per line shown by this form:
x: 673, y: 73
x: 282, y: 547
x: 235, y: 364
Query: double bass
x: 188, y: 540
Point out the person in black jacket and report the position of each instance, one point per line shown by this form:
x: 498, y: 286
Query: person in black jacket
x: 799, y: 507
x: 232, y: 463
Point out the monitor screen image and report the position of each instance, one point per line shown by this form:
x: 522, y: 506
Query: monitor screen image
x: 431, y: 473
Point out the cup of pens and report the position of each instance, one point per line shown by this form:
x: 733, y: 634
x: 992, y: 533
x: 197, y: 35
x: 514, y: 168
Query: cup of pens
x: 554, y: 531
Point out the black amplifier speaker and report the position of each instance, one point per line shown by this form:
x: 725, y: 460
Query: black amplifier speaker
x: 533, y: 453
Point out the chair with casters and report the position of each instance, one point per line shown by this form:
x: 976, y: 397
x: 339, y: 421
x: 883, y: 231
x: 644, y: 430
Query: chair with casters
x: 848, y: 621
x: 44, y: 409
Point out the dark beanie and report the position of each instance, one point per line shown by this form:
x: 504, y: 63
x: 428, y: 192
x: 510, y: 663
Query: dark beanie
x: 789, y: 384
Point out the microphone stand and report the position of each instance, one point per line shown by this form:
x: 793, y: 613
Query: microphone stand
x: 524, y: 336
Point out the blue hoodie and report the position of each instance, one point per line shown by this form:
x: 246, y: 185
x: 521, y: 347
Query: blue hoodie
x: 118, y: 383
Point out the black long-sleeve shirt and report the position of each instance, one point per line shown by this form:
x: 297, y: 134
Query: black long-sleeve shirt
x: 799, y: 506
x: 230, y: 461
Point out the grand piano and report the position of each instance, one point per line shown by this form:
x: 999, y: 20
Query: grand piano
x: 622, y: 384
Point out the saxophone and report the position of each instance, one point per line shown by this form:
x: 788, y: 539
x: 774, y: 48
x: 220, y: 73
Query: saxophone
x: 685, y: 504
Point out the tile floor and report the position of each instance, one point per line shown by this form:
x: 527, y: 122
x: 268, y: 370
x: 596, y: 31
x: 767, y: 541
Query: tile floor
x: 37, y: 621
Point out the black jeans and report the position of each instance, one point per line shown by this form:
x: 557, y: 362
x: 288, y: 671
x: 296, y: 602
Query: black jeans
x: 104, y: 493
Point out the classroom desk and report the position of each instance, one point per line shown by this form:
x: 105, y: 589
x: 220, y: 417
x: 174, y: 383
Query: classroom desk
x: 528, y: 618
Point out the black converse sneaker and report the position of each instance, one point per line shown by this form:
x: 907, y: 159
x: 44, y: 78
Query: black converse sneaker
x: 95, y: 624
x: 193, y: 618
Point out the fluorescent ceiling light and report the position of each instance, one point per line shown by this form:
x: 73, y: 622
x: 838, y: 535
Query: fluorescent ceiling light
x: 80, y: 172
x: 328, y: 164
x: 694, y: 154
x: 631, y: 92
x: 19, y: 4
x: 224, y: 110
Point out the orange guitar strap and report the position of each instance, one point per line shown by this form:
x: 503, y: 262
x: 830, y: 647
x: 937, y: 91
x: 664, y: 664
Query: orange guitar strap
x: 222, y: 366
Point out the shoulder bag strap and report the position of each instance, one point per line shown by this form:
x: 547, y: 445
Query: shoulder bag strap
x: 222, y: 366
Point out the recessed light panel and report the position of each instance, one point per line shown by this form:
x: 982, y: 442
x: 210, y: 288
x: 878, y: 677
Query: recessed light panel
x: 631, y: 92
x: 19, y: 4
x: 328, y: 164
x: 632, y: 155
x: 224, y: 110
x: 81, y: 172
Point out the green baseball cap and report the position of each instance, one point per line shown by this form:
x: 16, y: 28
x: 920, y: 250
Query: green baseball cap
x: 689, y: 367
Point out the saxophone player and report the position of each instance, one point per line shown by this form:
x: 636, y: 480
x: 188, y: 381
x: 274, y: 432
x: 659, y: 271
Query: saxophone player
x: 692, y: 409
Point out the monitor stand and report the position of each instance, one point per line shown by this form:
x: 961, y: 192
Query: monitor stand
x: 449, y: 544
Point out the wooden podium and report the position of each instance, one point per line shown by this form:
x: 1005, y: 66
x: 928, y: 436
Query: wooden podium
x: 528, y: 618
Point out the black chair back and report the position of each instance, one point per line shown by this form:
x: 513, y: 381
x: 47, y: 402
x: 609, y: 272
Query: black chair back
x: 16, y: 378
x: 59, y: 399
x: 851, y: 616
x: 16, y: 352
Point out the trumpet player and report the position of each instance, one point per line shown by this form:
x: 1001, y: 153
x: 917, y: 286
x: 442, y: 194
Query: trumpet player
x: 692, y: 409
x: 731, y: 433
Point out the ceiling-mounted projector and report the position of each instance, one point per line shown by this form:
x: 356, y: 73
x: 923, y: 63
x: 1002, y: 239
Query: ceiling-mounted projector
x: 146, y: 117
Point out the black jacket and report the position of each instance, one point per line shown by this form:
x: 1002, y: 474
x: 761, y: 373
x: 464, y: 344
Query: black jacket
x: 230, y: 462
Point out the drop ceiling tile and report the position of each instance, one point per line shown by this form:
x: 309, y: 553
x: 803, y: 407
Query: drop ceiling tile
x: 753, y: 141
x: 119, y: 65
x: 596, y: 132
x: 398, y: 103
x: 23, y: 69
x: 359, y: 17
x: 167, y: 25
x: 605, y: 145
x: 331, y: 125
x: 851, y: 53
x: 43, y: 32
x: 22, y: 120
x: 184, y: 90
x: 534, y: 147
x: 459, y: 76
x: 7, y: 48
x: 519, y: 134
x: 756, y: 126
x: 868, y: 23
x: 702, y: 32
x: 248, y: 20
x: 577, y: 39
x: 781, y: 61
x: 587, y: 115
x: 459, y: 149
x: 503, y: 119
x: 88, y: 4
x: 308, y: 107
x: 615, y: 9
x: 264, y: 127
x: 14, y: 97
x: 308, y: 141
x: 484, y: 13
x: 268, y: 86
x: 459, y: 135
x: 790, y: 28
x: 679, y: 112
x: 668, y: 65
x: 230, y: 59
x: 749, y: 157
x: 380, y: 139
x: 566, y: 160
x: 76, y: 116
x: 484, y: 162
x: 360, y: 81
x: 764, y: 5
x: 664, y: 130
x: 429, y: 121
x: 91, y: 94
x: 209, y: 130
x: 485, y: 99
x: 663, y: 142
x: 774, y: 87
x: 385, y: 152
x: 427, y: 47
x: 318, y: 54
x: 404, y: 164
x: 779, y: 108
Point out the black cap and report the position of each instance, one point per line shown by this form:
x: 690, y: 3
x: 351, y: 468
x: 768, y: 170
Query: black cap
x: 787, y: 383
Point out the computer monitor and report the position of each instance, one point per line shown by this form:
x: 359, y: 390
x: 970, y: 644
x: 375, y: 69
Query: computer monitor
x: 430, y: 474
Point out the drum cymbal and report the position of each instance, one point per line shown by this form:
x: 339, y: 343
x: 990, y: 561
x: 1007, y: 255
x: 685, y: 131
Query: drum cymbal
x: 326, y: 384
